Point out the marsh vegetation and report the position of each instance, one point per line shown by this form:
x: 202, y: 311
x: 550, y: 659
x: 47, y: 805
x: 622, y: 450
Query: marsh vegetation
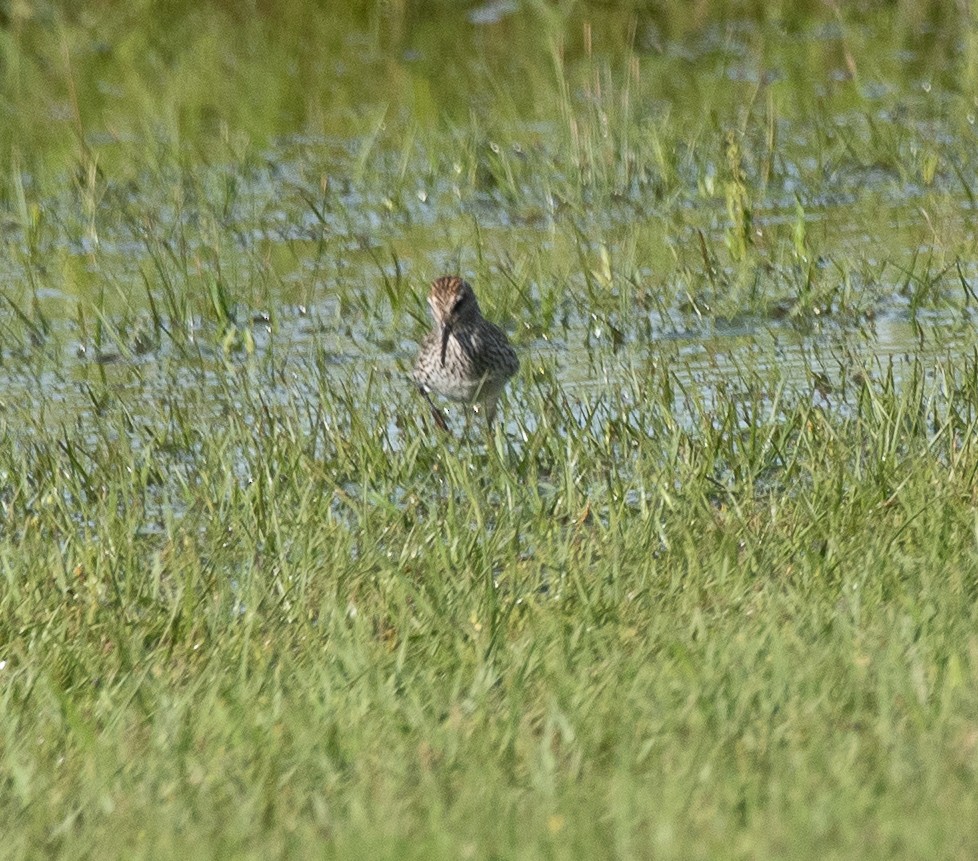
x: 709, y: 590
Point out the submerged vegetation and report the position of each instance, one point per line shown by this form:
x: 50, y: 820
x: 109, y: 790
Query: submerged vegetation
x: 711, y: 587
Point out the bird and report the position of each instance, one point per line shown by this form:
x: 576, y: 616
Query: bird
x: 464, y: 357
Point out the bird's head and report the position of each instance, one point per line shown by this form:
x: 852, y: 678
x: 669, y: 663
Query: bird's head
x: 452, y: 302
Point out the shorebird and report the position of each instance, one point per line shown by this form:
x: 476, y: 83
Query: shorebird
x: 465, y: 357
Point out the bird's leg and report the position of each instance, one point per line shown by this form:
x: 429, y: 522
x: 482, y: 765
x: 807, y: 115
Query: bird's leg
x: 489, y: 405
x: 436, y: 414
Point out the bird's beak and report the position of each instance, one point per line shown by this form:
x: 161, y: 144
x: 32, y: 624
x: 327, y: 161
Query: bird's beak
x: 446, y: 331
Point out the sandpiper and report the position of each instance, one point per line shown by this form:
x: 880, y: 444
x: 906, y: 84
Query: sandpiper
x: 465, y: 357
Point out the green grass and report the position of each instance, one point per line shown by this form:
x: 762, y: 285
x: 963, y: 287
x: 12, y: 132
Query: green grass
x: 710, y: 591
x: 255, y: 628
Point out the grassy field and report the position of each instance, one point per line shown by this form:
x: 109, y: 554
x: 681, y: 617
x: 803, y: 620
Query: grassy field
x: 710, y: 590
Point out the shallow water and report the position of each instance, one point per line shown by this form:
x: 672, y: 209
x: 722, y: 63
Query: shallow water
x: 596, y: 225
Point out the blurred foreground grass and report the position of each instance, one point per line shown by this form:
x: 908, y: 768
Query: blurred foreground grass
x: 254, y: 629
x: 711, y: 589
